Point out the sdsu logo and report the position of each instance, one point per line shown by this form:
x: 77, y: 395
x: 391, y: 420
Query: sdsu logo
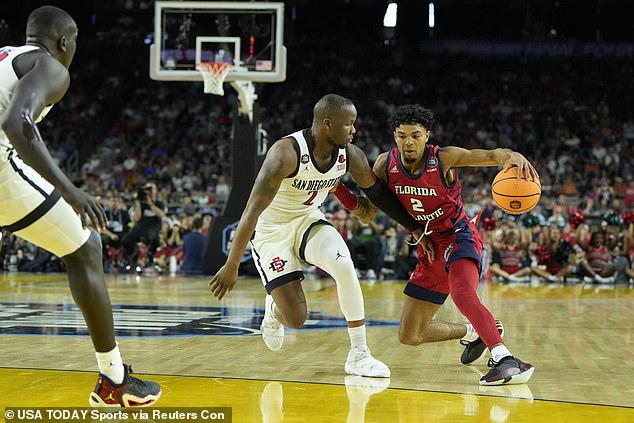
x: 277, y: 265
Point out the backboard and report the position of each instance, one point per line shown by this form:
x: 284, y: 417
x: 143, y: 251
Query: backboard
x: 248, y: 35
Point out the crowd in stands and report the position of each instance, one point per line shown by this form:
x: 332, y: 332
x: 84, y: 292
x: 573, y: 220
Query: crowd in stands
x: 572, y: 117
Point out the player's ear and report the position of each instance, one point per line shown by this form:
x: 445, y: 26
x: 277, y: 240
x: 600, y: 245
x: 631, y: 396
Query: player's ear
x: 327, y: 122
x: 62, y: 43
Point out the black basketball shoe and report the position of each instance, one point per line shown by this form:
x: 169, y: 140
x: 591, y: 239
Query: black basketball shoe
x: 476, y: 349
x: 509, y: 370
x: 132, y: 392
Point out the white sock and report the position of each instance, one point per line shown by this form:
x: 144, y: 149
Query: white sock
x: 471, y: 334
x: 273, y: 310
x: 111, y: 365
x: 499, y: 352
x: 357, y: 337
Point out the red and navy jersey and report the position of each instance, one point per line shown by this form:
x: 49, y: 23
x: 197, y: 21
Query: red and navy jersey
x: 511, y: 258
x: 598, y: 258
x: 427, y: 196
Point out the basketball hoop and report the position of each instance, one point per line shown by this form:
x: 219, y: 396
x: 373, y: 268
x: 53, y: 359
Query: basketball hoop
x: 214, y: 74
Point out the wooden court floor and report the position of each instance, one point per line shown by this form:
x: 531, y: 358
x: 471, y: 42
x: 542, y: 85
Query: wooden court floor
x: 209, y: 353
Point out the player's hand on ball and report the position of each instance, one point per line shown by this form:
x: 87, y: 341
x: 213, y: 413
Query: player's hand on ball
x: 525, y: 168
x: 223, y: 281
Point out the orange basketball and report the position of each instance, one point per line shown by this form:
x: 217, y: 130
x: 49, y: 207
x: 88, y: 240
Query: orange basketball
x: 515, y: 196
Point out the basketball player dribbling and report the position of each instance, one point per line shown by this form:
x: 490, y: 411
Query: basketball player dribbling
x: 41, y: 205
x: 424, y: 179
x: 283, y: 210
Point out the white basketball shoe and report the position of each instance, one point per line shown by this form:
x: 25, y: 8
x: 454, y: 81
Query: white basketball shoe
x: 361, y: 363
x: 272, y: 330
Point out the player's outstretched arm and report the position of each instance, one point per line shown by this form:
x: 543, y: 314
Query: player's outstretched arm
x: 460, y: 157
x: 359, y: 206
x: 280, y: 161
x: 45, y: 83
x: 381, y: 196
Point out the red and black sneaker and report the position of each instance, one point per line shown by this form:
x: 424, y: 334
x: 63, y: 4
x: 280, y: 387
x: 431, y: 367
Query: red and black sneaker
x: 508, y: 371
x: 132, y: 392
x: 476, y: 349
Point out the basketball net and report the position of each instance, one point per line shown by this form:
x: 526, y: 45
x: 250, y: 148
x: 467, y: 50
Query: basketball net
x: 214, y: 74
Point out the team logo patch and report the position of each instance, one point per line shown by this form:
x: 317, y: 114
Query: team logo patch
x: 432, y: 162
x: 277, y: 265
x: 448, y: 251
x: 305, y: 159
x: 143, y: 320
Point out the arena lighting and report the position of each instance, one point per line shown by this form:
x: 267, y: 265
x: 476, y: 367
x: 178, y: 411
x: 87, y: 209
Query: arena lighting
x: 432, y: 17
x: 389, y: 20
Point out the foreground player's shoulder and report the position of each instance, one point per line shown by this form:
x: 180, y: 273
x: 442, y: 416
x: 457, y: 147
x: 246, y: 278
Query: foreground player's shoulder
x: 355, y: 154
x: 282, y: 156
x: 39, y: 72
x: 379, y: 165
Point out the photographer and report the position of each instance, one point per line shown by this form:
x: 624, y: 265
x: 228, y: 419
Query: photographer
x: 147, y: 217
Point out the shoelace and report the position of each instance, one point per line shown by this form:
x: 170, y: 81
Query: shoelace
x: 133, y: 380
x: 493, y: 363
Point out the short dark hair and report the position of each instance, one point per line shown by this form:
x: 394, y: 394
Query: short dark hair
x: 197, y: 223
x: 411, y: 114
x: 49, y: 21
x: 329, y: 105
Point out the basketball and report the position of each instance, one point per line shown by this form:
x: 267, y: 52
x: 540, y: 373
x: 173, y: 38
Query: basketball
x: 515, y: 196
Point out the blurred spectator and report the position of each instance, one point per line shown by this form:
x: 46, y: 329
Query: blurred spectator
x: 193, y: 247
x: 147, y: 219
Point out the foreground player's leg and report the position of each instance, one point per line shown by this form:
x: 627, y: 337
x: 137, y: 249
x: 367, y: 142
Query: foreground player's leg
x: 417, y: 326
x: 115, y: 387
x: 285, y: 306
x: 463, y: 282
x: 326, y: 249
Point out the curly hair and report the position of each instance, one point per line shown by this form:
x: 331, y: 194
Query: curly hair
x: 411, y: 114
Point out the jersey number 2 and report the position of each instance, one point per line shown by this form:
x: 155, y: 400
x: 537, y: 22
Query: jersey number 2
x: 417, y: 205
x: 309, y: 202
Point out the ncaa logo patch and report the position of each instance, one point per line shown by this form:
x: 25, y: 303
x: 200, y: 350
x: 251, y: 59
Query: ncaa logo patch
x: 432, y: 162
x: 144, y: 320
x: 305, y: 159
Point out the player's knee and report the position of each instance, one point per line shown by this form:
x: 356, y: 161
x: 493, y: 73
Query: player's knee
x: 409, y: 338
x: 296, y: 318
x: 341, y: 269
x: 88, y: 254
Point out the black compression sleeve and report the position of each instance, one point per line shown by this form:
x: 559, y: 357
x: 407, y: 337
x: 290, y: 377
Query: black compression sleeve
x: 383, y: 198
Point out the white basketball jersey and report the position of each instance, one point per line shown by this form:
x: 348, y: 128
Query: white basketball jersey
x: 304, y: 191
x: 8, y: 79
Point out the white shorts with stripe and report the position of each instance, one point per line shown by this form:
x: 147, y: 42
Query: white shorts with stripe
x: 278, y: 250
x: 33, y: 209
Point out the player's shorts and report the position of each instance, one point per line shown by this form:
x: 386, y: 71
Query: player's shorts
x: 33, y: 209
x: 278, y: 251
x: 430, y: 281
